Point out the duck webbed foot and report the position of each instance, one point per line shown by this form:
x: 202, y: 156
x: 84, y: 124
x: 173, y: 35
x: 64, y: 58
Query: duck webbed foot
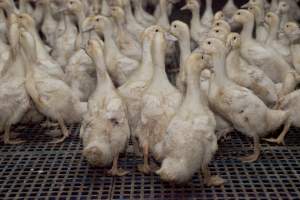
x: 7, y: 139
x: 280, y: 139
x: 115, y: 171
x: 64, y: 130
x: 210, y: 180
x: 253, y: 157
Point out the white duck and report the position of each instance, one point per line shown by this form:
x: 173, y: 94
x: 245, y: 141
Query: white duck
x: 208, y: 15
x: 127, y: 43
x: 273, y: 22
x: 49, y: 64
x: 105, y: 131
x: 261, y: 32
x: 52, y: 96
x: 292, y: 31
x: 198, y: 30
x: 265, y: 57
x: 190, y: 142
x: 14, y: 99
x: 159, y: 103
x: 249, y: 76
x: 65, y: 36
x: 181, y: 31
x: 133, y: 26
x: 49, y: 24
x: 282, y: 11
x: 119, y: 66
x: 142, y: 17
x: 80, y: 71
x: 239, y: 105
x: 132, y: 91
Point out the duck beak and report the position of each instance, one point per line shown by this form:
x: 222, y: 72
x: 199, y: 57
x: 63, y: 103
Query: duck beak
x: 245, y: 5
x: 170, y: 37
x: 87, y: 25
x: 61, y: 10
x: 184, y: 7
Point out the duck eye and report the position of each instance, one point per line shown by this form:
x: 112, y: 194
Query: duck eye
x: 234, y: 38
x: 217, y: 31
x: 238, y: 13
x: 156, y: 30
x: 218, y: 24
x: 175, y: 26
x: 202, y: 57
x: 209, y: 42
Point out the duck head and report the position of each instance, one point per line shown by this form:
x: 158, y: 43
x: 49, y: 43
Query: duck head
x: 233, y: 41
x: 218, y: 32
x: 72, y: 6
x: 179, y: 29
x: 117, y: 13
x: 191, y: 5
x: 222, y: 24
x: 26, y: 21
x: 98, y: 23
x: 259, y: 3
x: 197, y: 62
x: 243, y: 16
x: 149, y: 32
x: 219, y: 16
x: 271, y: 19
x: 291, y: 28
x: 213, y: 46
x: 283, y: 7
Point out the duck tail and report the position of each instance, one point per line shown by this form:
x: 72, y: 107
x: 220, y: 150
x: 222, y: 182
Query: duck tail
x: 98, y: 154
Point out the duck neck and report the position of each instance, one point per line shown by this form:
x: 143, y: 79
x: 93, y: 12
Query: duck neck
x: 219, y: 68
x: 185, y: 49
x: 274, y: 5
x: 234, y: 60
x: 259, y: 17
x: 11, y: 9
x: 246, y: 33
x: 274, y: 28
x: 80, y: 15
x: 111, y: 47
x: 163, y: 18
x: 208, y: 6
x: 102, y: 74
x: 195, y: 21
x: 24, y: 6
x: 105, y: 8
x: 146, y: 55
x: 39, y: 43
x: 284, y: 18
x: 193, y: 91
x: 128, y: 12
x: 159, y: 65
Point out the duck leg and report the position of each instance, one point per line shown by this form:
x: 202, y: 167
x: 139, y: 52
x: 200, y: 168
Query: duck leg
x: 64, y: 130
x: 115, y: 171
x: 210, y: 180
x: 8, y: 140
x: 289, y: 84
x: 145, y: 168
x: 253, y: 157
x: 280, y: 139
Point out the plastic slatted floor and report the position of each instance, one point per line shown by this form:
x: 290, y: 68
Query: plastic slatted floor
x: 45, y: 171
